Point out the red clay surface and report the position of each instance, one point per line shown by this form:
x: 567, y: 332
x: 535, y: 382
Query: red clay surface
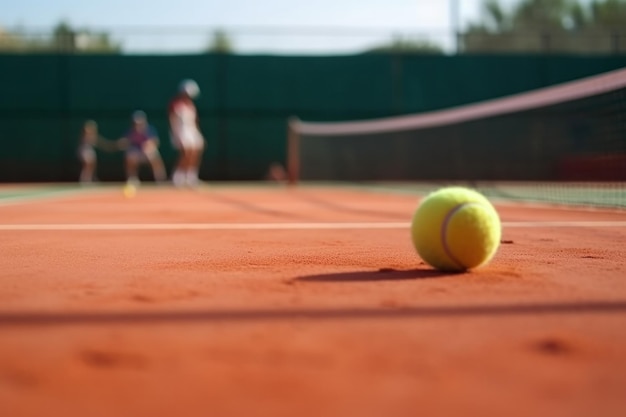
x: 345, y: 322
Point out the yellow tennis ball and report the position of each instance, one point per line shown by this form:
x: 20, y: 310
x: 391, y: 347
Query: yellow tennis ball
x: 456, y: 229
x: 129, y: 191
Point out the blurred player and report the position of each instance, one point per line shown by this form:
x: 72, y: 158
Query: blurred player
x: 142, y: 145
x: 186, y: 136
x: 89, y: 140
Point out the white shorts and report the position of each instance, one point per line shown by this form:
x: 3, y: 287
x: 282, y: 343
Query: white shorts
x: 87, y: 154
x: 188, y: 139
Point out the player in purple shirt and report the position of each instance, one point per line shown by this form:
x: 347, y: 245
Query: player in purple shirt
x: 142, y: 145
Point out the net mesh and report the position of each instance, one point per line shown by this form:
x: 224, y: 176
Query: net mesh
x: 564, y: 144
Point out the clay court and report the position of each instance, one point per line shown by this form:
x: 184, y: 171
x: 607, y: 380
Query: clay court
x: 270, y: 301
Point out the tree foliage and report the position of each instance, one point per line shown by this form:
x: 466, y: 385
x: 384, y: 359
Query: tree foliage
x: 220, y: 43
x: 572, y: 26
x: 64, y: 39
x: 404, y: 45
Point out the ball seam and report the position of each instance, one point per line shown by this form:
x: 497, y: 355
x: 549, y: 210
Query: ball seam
x: 444, y: 230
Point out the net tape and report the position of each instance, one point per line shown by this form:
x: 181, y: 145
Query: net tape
x: 543, y: 97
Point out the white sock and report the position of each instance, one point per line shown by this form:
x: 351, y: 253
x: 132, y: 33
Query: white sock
x: 178, y: 178
x: 192, y: 176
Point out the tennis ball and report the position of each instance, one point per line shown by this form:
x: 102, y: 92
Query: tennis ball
x: 456, y: 229
x: 129, y: 191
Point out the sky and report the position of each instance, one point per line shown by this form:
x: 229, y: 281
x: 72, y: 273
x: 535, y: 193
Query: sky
x: 254, y: 26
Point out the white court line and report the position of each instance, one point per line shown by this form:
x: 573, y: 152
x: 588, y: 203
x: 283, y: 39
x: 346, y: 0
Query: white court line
x: 614, y: 223
x: 204, y: 226
x: 280, y: 226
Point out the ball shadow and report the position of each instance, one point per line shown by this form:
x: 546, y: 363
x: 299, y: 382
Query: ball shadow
x: 383, y: 274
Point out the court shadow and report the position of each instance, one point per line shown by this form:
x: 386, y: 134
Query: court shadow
x: 383, y: 274
x: 334, y: 206
x: 250, y: 207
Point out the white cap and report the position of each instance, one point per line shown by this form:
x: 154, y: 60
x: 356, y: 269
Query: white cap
x: 139, y: 116
x: 190, y: 87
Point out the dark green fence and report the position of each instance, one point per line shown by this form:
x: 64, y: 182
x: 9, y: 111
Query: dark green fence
x: 245, y: 100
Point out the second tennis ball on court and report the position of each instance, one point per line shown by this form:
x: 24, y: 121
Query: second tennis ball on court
x: 129, y: 190
x: 456, y: 229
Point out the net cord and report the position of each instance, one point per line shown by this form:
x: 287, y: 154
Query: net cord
x: 573, y: 90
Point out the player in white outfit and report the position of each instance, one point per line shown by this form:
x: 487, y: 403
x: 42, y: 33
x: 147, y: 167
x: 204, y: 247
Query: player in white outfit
x: 186, y: 135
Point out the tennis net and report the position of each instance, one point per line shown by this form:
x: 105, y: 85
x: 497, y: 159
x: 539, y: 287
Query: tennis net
x: 562, y: 144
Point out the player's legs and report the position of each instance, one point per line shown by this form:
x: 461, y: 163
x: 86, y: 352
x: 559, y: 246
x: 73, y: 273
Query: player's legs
x: 190, y: 147
x: 88, y: 159
x: 158, y: 168
x: 87, y: 172
x: 179, y: 176
x: 132, y: 166
x: 194, y: 145
x: 193, y: 167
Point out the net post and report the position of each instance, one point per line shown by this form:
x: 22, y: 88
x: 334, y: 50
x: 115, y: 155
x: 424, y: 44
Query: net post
x: 293, y: 152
